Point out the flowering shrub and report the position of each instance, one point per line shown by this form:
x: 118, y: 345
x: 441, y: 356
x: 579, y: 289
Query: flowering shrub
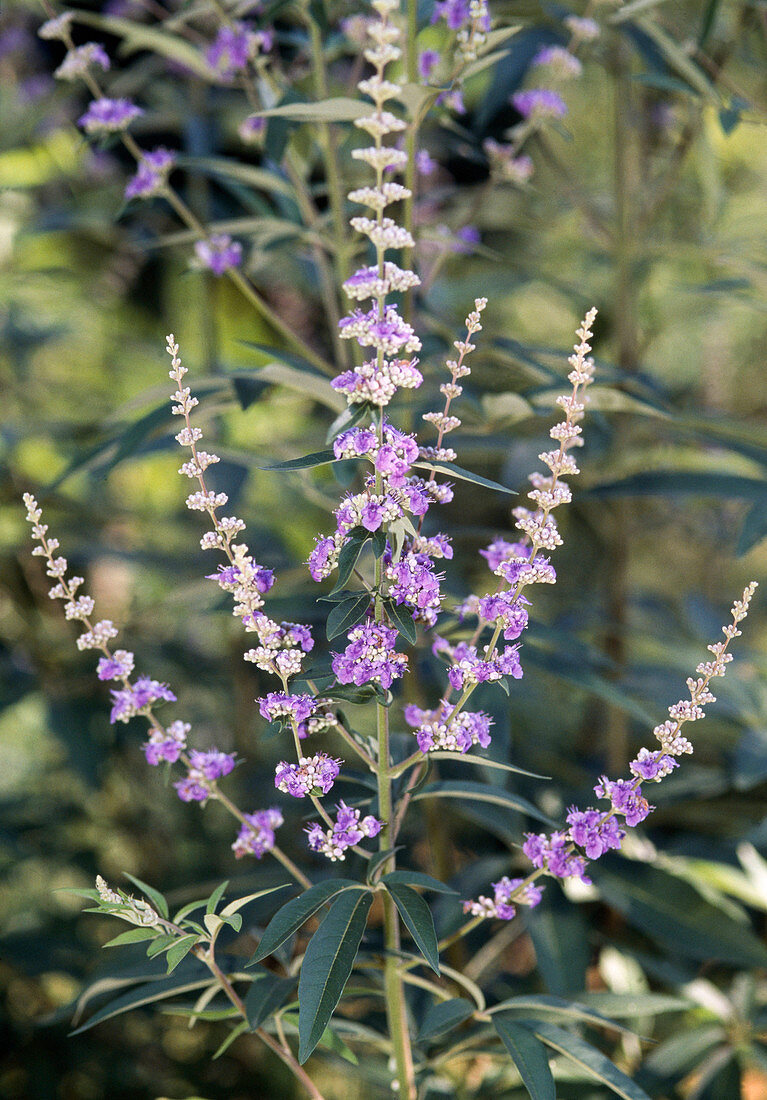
x: 388, y: 562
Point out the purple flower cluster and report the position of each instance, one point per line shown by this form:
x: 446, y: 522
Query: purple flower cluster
x: 152, y: 174
x: 166, y: 744
x: 204, y: 769
x: 468, y: 668
x: 132, y: 700
x: 539, y: 103
x: 233, y: 47
x: 414, y: 583
x: 500, y: 905
x: 256, y: 836
x: 219, y: 253
x: 503, y: 608
x: 311, y: 775
x: 278, y: 705
x: 348, y: 829
x: 118, y: 665
x: 109, y: 116
x: 393, y: 458
x: 80, y: 59
x: 370, y: 656
x: 555, y: 855
x: 438, y: 730
x: 282, y: 647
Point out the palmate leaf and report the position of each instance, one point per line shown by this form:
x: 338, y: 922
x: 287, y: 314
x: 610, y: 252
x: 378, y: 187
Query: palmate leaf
x: 528, y: 1054
x: 287, y: 920
x: 327, y: 965
x: 417, y: 918
x: 443, y: 1017
x: 588, y: 1058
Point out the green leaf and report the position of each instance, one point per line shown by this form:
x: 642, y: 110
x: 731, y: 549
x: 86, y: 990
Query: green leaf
x: 535, y: 1005
x: 402, y: 618
x: 347, y: 559
x: 754, y: 528
x: 267, y: 993
x: 444, y: 1016
x: 235, y: 1033
x: 136, y: 37
x: 135, y: 935
x: 482, y: 792
x: 464, y: 475
x: 338, y: 109
x: 472, y: 758
x: 327, y: 965
x: 332, y: 1041
x: 666, y: 907
x: 678, y: 60
x: 379, y: 859
x: 318, y: 458
x: 287, y: 920
x: 347, y: 614
x: 160, y: 944
x: 417, y: 918
x: 215, y: 897
x: 588, y: 1058
x: 156, y: 898
x: 180, y: 950
x: 347, y: 418
x: 529, y: 1056
x: 238, y: 903
x: 248, y: 174
x: 683, y: 483
x: 418, y: 878
x: 144, y: 995
x: 627, y: 1005
x: 290, y: 371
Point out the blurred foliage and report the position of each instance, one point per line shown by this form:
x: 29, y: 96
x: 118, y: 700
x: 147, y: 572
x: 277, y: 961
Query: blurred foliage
x: 649, y: 203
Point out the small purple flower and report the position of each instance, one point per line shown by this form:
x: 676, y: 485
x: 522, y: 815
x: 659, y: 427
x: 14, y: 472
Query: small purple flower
x: 143, y: 693
x: 230, y: 51
x: 594, y: 832
x: 311, y: 775
x: 115, y: 667
x: 152, y: 174
x: 320, y: 559
x: 78, y: 61
x: 454, y: 12
x: 257, y: 836
x: 500, y: 905
x: 539, y: 103
x: 219, y: 253
x: 626, y: 798
x: 651, y: 764
x: 166, y: 744
x: 466, y: 238
x: 278, y: 705
x: 370, y: 656
x: 560, y: 59
x: 109, y: 116
x: 212, y: 764
x: 550, y: 853
x: 347, y: 831
x: 427, y: 62
x: 424, y: 164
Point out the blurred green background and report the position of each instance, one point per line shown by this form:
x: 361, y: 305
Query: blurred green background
x: 650, y: 204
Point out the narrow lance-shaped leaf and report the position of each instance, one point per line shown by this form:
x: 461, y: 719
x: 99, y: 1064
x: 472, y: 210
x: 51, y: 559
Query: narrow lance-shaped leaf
x: 156, y: 898
x: 288, y: 920
x: 327, y: 965
x: 347, y: 614
x: 587, y: 1057
x: 267, y: 993
x: 402, y: 619
x: 529, y: 1056
x: 417, y: 918
x: 443, y: 1017
x: 417, y: 878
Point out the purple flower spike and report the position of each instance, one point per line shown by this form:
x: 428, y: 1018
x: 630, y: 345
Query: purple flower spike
x: 152, y: 174
x: 256, y: 838
x: 311, y: 775
x: 347, y: 831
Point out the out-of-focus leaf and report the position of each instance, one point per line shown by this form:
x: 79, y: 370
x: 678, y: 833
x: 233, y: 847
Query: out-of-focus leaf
x: 678, y: 1055
x: 444, y: 1016
x: 327, y: 965
x: 417, y: 918
x: 683, y: 483
x: 678, y: 60
x: 664, y: 906
x: 235, y: 1033
x: 299, y: 378
x: 560, y: 938
x: 534, y: 1005
x: 482, y: 792
x: 339, y: 109
x: 294, y: 913
x: 307, y: 462
x: 528, y: 1054
x: 754, y: 528
x: 267, y: 993
x: 145, y: 994
x: 588, y: 1058
x: 249, y: 174
x: 630, y: 1005
x: 137, y: 36
x: 418, y: 878
x: 464, y: 475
